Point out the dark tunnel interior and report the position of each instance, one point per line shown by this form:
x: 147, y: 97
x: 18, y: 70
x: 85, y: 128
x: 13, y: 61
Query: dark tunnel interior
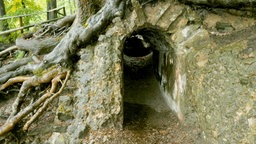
x: 143, y: 54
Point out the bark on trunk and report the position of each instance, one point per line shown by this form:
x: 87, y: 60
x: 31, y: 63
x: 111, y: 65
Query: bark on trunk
x: 51, y: 4
x: 83, y: 33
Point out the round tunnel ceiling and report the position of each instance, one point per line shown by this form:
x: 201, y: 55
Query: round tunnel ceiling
x: 135, y: 46
x: 147, y: 68
x: 145, y: 47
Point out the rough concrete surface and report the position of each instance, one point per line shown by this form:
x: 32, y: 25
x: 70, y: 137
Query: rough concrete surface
x: 200, y: 87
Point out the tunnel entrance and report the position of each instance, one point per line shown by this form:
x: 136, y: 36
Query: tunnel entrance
x: 144, y: 54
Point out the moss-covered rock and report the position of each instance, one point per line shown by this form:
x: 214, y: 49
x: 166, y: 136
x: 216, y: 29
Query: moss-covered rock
x: 210, y: 73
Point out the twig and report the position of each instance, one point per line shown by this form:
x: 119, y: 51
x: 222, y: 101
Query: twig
x: 62, y: 30
x: 8, y: 49
x: 46, y: 31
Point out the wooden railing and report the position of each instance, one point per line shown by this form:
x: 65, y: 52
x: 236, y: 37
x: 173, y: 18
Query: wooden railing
x: 20, y: 17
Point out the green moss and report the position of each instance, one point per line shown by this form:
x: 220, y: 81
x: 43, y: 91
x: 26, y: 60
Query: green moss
x: 85, y: 25
x: 38, y: 72
x: 19, y: 55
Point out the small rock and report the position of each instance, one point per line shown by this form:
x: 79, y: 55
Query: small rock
x: 224, y: 27
x: 78, y: 130
x: 58, y: 138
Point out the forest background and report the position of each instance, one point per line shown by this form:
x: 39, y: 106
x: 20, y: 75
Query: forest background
x: 10, y: 8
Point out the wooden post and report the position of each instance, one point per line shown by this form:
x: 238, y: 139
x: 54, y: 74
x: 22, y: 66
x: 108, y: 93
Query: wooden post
x: 48, y: 15
x: 51, y: 14
x: 21, y: 24
x: 64, y: 11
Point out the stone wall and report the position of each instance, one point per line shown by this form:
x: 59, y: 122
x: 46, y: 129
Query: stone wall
x: 213, y: 76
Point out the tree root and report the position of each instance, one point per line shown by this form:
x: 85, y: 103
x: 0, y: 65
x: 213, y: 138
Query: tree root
x: 20, y: 71
x: 13, y: 80
x: 66, y: 21
x: 32, y: 81
x: 79, y: 34
x: 83, y: 33
x: 48, y: 94
x: 14, y: 65
x: 59, y: 26
x: 15, y: 117
x: 8, y: 49
x: 36, y: 46
x: 14, y: 73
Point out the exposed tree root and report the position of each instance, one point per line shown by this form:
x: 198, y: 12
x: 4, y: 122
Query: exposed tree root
x: 14, y: 73
x: 42, y: 46
x: 8, y: 49
x: 48, y: 94
x: 58, y: 27
x: 67, y: 21
x: 33, y: 81
x: 36, y: 46
x: 53, y: 56
x: 15, y: 65
x: 83, y: 33
x: 13, y: 80
x: 45, y: 100
x: 22, y: 70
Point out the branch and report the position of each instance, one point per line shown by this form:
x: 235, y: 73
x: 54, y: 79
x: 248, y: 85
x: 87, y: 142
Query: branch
x: 8, y: 49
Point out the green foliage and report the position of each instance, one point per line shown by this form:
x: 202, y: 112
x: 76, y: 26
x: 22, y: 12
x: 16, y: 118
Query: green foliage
x: 19, y: 55
x: 17, y: 7
x: 22, y: 7
x: 4, y: 40
x: 10, y: 38
x: 70, y: 5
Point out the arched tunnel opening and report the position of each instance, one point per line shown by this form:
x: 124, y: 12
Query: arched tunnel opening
x: 148, y: 68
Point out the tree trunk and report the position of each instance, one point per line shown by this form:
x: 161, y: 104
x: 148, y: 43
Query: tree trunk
x: 51, y: 4
x: 3, y: 24
x: 86, y: 8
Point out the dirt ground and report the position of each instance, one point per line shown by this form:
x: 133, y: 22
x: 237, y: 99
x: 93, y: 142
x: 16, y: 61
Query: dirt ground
x: 143, y: 125
x: 147, y: 118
